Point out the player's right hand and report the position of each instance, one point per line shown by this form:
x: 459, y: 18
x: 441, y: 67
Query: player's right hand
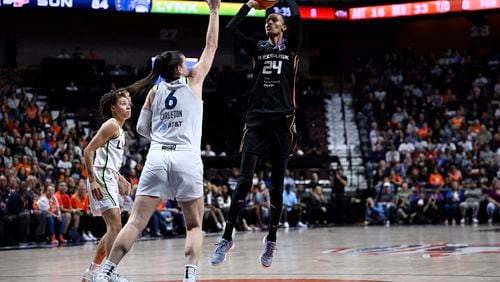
x: 96, y: 190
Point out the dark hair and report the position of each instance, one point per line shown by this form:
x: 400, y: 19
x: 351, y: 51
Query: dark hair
x: 285, y: 19
x: 165, y: 65
x: 109, y: 99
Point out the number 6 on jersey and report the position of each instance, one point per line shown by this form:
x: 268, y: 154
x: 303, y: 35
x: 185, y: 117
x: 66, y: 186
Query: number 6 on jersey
x: 170, y: 101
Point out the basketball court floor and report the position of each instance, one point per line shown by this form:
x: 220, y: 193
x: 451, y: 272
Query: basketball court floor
x: 373, y: 253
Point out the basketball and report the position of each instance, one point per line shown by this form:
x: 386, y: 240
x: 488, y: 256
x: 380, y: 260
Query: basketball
x: 266, y: 3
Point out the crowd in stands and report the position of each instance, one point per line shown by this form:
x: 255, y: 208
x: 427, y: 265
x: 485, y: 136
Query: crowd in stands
x: 430, y: 127
x: 431, y: 145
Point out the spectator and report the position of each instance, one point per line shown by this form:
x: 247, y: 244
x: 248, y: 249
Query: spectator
x: 21, y: 215
x: 436, y: 180
x: 126, y: 202
x: 71, y: 86
x: 313, y: 181
x: 208, y: 151
x: 317, y: 208
x: 403, y: 200
x: 339, y: 182
x: 49, y: 205
x: 454, y: 174
x: 80, y: 202
x: 453, y: 199
x: 289, y: 180
x: 374, y: 212
x: 71, y: 215
x: 472, y: 198
x: 406, y: 147
x: 291, y: 205
x: 63, y: 54
x: 493, y: 201
x: 78, y: 54
x: 64, y: 163
x: 211, y: 211
x: 386, y: 200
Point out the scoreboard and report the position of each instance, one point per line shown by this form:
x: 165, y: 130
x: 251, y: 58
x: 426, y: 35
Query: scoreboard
x: 230, y: 8
x: 421, y: 8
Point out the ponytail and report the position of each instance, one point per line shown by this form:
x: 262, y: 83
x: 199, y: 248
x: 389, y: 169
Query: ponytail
x: 143, y: 86
x: 165, y: 66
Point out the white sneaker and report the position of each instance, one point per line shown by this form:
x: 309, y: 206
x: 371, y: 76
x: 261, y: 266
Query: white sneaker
x: 490, y: 221
x: 286, y: 225
x: 110, y: 277
x: 91, y: 236
x: 219, y: 226
x: 88, y: 275
x: 475, y: 221
x: 300, y: 224
x: 462, y: 221
x: 190, y: 274
x: 86, y: 237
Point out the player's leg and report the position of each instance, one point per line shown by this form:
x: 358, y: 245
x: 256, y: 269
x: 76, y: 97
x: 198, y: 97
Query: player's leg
x: 248, y: 163
x: 193, y: 216
x: 279, y: 159
x: 144, y: 206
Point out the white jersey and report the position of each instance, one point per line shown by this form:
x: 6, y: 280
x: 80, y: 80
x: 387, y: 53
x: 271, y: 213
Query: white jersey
x: 110, y: 155
x: 177, y: 115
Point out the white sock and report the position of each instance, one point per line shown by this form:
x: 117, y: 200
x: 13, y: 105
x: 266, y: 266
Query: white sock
x: 108, y: 267
x: 190, y: 271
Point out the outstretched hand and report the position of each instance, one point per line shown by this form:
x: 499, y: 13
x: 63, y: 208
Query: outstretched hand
x: 214, y: 5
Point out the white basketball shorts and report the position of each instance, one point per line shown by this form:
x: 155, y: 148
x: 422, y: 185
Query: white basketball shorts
x: 172, y: 174
x: 109, y: 184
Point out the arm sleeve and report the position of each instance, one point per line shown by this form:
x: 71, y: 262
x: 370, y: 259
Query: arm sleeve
x: 144, y: 123
x: 248, y: 43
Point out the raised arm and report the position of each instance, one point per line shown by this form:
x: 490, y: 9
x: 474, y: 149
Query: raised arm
x: 248, y: 43
x: 201, y: 69
x: 294, y: 36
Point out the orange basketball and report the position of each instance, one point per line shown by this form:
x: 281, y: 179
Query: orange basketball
x: 266, y: 3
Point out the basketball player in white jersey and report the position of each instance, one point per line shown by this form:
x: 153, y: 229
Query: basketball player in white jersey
x: 104, y: 179
x: 172, y: 119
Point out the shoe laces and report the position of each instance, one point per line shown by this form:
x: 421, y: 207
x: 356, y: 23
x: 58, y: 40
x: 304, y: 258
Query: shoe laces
x: 270, y: 248
x: 221, y: 246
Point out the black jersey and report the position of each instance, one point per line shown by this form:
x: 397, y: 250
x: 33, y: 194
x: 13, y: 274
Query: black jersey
x: 275, y: 67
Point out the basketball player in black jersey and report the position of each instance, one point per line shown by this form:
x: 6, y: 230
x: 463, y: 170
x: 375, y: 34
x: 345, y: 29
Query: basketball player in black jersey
x: 270, y: 121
